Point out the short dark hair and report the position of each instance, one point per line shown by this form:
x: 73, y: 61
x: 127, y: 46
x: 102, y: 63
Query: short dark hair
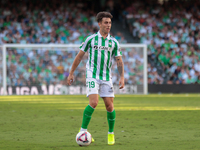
x: 103, y: 14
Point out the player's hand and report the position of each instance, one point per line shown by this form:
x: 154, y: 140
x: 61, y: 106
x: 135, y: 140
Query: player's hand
x: 70, y: 79
x: 121, y: 83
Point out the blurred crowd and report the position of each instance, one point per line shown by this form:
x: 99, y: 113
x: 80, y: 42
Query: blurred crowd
x: 172, y: 32
x: 53, y: 22
x: 59, y: 23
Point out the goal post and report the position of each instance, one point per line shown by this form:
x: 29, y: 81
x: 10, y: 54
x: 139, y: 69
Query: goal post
x: 20, y: 62
x: 1, y: 67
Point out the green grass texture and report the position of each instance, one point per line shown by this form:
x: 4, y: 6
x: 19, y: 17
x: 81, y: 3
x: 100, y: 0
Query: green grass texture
x: 143, y: 122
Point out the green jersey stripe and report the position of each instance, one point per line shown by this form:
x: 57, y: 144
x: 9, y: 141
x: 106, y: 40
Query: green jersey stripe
x: 108, y: 61
x: 101, y: 65
x: 86, y: 48
x: 108, y: 68
x: 95, y: 57
x: 102, y: 60
x: 116, y: 48
x: 90, y: 56
x: 95, y: 63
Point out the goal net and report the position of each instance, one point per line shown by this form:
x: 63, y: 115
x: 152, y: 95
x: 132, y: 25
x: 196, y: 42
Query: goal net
x: 32, y: 69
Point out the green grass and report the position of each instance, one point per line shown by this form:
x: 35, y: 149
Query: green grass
x: 152, y: 122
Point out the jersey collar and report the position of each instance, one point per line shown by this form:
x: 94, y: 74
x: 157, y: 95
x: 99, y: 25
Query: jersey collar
x: 107, y: 38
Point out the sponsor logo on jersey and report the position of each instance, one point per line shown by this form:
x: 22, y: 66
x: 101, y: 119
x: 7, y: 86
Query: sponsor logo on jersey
x: 102, y: 48
x: 95, y: 47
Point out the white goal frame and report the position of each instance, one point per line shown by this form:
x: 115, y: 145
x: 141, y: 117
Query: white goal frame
x: 63, y: 47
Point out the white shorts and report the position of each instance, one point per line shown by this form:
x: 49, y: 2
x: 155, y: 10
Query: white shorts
x: 96, y: 86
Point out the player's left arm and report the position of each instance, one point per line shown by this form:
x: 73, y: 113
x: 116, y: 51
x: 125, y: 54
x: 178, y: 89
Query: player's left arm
x: 120, y: 67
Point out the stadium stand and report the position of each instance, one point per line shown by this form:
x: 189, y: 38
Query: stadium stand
x: 55, y: 22
x: 171, y: 31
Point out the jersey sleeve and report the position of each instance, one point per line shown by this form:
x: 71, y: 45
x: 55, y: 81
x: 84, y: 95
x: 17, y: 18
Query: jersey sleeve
x: 117, y: 50
x: 85, y: 45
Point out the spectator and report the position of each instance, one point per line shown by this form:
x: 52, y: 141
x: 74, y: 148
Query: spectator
x: 60, y: 69
x: 175, y: 32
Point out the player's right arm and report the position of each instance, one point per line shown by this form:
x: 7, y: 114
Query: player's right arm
x: 75, y: 64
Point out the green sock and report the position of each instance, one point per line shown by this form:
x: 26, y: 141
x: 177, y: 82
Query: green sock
x: 87, y: 116
x: 111, y: 120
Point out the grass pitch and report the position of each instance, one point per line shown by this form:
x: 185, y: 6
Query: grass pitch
x: 152, y: 122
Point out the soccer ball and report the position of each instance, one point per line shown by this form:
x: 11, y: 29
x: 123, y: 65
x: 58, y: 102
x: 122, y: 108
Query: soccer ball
x: 83, y: 138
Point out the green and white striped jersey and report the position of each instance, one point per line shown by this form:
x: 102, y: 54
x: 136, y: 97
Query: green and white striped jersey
x: 100, y: 52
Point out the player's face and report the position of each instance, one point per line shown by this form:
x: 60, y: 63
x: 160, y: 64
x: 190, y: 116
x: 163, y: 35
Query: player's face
x: 105, y: 25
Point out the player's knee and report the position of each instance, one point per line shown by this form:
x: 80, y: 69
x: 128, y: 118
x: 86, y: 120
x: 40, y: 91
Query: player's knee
x: 110, y: 108
x: 94, y: 104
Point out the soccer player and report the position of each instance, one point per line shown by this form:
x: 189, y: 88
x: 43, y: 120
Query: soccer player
x: 100, y: 46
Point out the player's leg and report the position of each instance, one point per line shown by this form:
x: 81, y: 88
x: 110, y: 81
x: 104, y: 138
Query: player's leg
x: 110, y: 112
x: 107, y: 94
x: 87, y: 114
x: 92, y: 92
x: 111, y: 118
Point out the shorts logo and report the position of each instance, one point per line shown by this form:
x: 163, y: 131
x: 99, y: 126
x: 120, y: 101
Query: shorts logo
x: 111, y: 89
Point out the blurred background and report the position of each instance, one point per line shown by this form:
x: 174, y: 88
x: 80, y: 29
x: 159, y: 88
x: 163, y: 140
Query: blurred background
x: 170, y: 28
